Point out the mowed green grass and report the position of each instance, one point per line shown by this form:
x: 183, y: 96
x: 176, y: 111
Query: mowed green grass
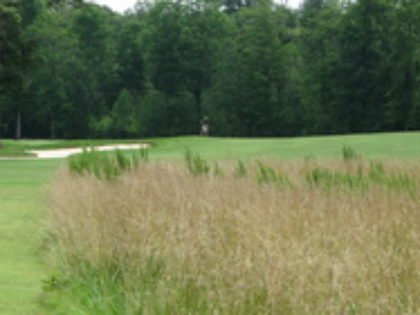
x: 22, y: 204
x: 23, y: 195
x: 384, y: 145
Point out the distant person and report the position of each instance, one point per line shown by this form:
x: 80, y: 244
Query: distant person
x: 204, y: 126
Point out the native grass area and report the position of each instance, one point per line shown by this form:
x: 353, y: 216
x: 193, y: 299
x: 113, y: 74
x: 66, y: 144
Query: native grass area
x: 262, y: 237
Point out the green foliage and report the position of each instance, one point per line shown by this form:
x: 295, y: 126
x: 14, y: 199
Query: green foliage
x: 11, y: 47
x: 318, y: 45
x: 247, y: 96
x: 102, y: 127
x: 195, y: 163
x: 87, y: 287
x: 402, y: 182
x: 327, y: 179
x: 124, y: 116
x: 319, y: 177
x: 53, y: 282
x: 130, y: 55
x: 364, y: 45
x: 360, y: 180
x: 105, y: 166
x: 162, y: 114
x: 402, y: 107
x: 144, y: 154
x: 267, y: 174
x: 376, y: 171
x: 73, y: 69
x: 217, y: 170
x: 240, y: 169
x: 393, y: 181
x: 349, y: 153
x: 106, y: 289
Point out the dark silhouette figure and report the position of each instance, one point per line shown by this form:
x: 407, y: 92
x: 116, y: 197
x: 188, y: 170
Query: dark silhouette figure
x: 204, y: 126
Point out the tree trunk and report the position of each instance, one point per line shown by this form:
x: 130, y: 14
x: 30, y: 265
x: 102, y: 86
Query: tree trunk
x: 19, y: 125
x: 52, y: 129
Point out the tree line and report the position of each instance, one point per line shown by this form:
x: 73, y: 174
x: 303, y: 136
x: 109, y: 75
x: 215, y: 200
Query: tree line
x: 71, y: 69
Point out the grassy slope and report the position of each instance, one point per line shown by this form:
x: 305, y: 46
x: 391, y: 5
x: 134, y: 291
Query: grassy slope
x: 22, y: 182
x: 21, y: 206
x: 389, y: 145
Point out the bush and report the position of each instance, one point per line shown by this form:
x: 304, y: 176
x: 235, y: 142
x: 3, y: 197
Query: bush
x: 195, y: 163
x: 240, y: 170
x: 350, y: 154
x: 376, y: 171
x: 361, y: 179
x: 267, y: 174
x: 320, y: 177
x: 327, y: 179
x: 217, y: 170
x: 103, y: 165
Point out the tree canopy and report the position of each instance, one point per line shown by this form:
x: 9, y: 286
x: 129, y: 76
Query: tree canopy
x: 73, y: 69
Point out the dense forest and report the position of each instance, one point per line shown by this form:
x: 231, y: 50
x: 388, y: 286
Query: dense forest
x: 71, y: 69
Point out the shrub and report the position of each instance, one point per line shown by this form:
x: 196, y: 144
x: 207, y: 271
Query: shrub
x: 394, y: 181
x: 195, y: 163
x: 217, y: 170
x: 103, y: 165
x: 401, y: 181
x: 267, y: 174
x: 327, y: 179
x: 349, y: 153
x: 376, y: 171
x: 240, y: 169
x: 321, y: 177
x: 144, y: 154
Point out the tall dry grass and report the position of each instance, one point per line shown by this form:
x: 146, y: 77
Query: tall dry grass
x: 183, y: 244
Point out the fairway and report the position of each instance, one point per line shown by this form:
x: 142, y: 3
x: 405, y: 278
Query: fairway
x: 380, y: 145
x: 22, y: 204
x: 23, y: 186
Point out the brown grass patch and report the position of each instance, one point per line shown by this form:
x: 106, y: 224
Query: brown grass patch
x: 220, y: 244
